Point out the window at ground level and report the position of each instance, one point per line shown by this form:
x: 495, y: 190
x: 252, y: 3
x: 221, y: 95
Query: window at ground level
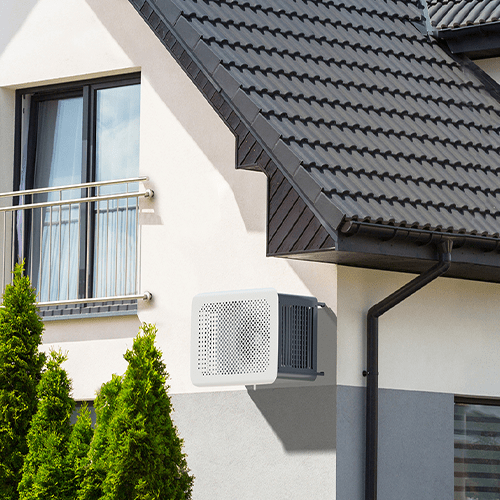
x: 477, y: 451
x: 69, y: 135
x: 78, y: 407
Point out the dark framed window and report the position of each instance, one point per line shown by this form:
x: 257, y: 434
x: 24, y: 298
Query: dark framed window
x: 477, y: 449
x: 69, y: 135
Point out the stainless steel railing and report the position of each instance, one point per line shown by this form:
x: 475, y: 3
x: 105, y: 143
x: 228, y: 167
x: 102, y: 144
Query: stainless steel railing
x: 80, y: 242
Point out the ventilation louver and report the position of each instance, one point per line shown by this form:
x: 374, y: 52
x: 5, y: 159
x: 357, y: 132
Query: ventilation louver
x: 251, y: 337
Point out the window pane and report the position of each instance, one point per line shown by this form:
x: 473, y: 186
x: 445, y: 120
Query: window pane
x: 59, y: 144
x: 117, y: 157
x: 477, y: 452
x: 117, y: 133
x: 53, y: 264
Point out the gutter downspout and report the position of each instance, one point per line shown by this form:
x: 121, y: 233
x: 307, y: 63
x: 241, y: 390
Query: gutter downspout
x: 371, y: 458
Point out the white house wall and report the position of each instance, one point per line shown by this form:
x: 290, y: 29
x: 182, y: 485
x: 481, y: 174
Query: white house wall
x: 445, y: 338
x: 491, y: 66
x: 204, y: 231
x: 441, y: 342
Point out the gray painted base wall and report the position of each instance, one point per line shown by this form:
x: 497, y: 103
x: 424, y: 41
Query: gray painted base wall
x: 308, y: 443
x: 415, y: 457
x: 267, y: 444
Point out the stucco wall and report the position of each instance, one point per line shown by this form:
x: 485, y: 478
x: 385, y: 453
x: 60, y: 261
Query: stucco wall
x: 441, y: 342
x: 491, y: 66
x: 265, y: 444
x: 415, y: 451
x: 445, y: 338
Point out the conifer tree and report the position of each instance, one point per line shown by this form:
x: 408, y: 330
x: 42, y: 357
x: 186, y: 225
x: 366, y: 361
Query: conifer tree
x: 145, y: 459
x: 95, y: 467
x: 78, y: 449
x: 20, y: 372
x: 47, y: 472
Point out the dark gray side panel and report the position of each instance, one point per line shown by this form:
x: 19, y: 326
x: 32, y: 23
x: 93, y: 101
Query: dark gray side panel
x: 415, y: 459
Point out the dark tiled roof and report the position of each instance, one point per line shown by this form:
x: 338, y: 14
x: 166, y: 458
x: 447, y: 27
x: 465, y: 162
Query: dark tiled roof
x: 450, y: 14
x: 368, y: 118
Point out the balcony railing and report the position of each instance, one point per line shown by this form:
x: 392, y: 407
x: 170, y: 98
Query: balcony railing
x: 80, y: 242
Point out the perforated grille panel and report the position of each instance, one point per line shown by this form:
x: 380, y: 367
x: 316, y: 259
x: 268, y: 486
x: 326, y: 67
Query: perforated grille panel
x: 234, y: 337
x: 296, y: 337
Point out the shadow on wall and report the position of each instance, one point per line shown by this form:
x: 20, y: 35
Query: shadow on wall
x: 320, y: 278
x: 303, y: 418
x: 16, y: 12
x: 249, y: 188
x: 303, y: 414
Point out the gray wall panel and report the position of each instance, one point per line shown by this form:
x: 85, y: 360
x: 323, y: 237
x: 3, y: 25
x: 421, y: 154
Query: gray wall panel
x: 268, y: 444
x: 350, y: 442
x: 415, y: 445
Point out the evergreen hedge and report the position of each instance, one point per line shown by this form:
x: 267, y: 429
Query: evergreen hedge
x: 20, y: 372
x: 135, y: 452
x: 96, y: 465
x: 144, y: 456
x: 47, y: 471
x: 78, y: 449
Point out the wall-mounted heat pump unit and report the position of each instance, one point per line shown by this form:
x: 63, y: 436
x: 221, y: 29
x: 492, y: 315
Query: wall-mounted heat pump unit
x: 252, y: 336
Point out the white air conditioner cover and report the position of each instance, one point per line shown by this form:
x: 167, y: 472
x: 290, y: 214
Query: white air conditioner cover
x: 234, y: 338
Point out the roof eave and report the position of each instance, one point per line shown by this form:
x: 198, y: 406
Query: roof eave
x: 397, y: 249
x: 477, y: 41
x: 235, y: 108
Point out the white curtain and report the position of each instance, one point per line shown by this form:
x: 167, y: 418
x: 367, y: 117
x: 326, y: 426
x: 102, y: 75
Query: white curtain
x: 115, y: 248
x: 54, y: 232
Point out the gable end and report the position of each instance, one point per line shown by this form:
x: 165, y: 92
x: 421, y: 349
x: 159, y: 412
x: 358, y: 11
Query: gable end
x: 300, y: 229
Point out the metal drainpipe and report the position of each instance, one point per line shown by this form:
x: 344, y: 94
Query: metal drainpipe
x: 444, y: 249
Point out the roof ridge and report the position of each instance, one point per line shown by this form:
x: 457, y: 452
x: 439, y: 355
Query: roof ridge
x: 399, y: 134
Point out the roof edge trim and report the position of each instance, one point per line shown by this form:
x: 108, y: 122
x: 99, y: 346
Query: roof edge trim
x: 386, y: 232
x: 483, y: 29
x: 152, y: 11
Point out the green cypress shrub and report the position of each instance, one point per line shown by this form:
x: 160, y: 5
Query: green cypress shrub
x: 95, y: 467
x: 20, y: 372
x: 47, y: 471
x: 78, y: 449
x: 145, y: 459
